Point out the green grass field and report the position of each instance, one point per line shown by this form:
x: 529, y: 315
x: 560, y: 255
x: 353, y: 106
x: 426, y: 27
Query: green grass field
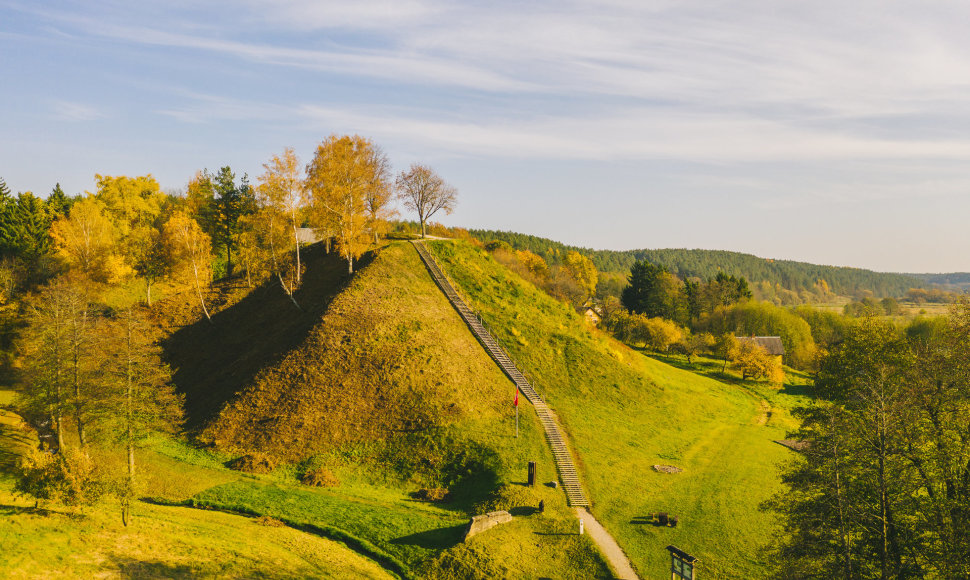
x: 626, y: 412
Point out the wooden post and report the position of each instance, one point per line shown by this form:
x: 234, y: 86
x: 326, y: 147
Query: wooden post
x: 532, y: 473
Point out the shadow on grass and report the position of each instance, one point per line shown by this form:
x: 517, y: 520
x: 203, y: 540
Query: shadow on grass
x: 707, y: 368
x: 214, y: 361
x: 647, y: 521
x: 136, y: 568
x: 15, y: 510
x: 133, y: 568
x: 797, y: 390
x: 438, y: 539
x: 525, y: 510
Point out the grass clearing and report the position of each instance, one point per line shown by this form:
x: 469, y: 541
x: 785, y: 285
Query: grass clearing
x: 625, y: 412
x: 169, y: 542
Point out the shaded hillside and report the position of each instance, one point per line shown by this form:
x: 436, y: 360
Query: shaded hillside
x: 626, y: 412
x: 213, y: 361
x: 791, y: 275
x: 389, y: 356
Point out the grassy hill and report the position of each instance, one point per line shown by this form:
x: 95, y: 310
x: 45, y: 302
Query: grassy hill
x: 627, y: 412
x: 377, y: 380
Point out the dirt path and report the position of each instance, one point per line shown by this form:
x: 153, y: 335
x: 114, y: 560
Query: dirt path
x: 614, y: 554
x: 765, y: 413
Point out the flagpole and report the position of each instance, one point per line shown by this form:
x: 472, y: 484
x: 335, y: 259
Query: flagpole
x: 515, y: 403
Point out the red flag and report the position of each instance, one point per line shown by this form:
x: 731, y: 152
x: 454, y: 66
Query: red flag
x: 516, y: 402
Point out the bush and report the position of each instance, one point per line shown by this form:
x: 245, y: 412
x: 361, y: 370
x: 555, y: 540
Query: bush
x: 507, y: 497
x: 434, y: 494
x: 253, y: 463
x: 494, y: 245
x: 320, y: 477
x: 70, y: 477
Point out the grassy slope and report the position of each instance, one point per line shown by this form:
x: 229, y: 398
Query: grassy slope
x: 626, y: 412
x: 390, y: 311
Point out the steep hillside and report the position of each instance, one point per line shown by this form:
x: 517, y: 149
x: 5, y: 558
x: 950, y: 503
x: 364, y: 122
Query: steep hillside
x: 213, y: 361
x: 626, y: 412
x: 390, y: 391
x: 791, y: 275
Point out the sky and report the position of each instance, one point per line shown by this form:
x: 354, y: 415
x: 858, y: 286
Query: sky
x: 831, y: 132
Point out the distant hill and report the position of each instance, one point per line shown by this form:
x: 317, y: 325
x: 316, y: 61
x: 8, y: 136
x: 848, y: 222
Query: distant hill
x: 951, y: 281
x: 791, y: 275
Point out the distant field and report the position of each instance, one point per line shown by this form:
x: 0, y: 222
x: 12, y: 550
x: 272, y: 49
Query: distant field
x: 910, y: 309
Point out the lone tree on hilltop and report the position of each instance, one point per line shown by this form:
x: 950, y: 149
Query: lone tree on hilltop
x: 423, y: 191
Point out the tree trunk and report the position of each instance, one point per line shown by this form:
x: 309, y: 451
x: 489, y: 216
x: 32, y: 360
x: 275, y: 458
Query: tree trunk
x: 57, y: 409
x: 130, y: 428
x: 228, y: 260
x: 350, y: 264
x: 423, y: 234
x: 148, y: 284
x: 198, y: 289
x: 296, y: 242
x: 847, y: 562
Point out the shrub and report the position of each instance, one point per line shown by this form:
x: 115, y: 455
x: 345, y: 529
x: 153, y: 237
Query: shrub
x: 253, y: 463
x: 507, y: 497
x: 70, y: 477
x: 320, y: 477
x: 434, y: 494
x: 269, y: 522
x: 494, y: 245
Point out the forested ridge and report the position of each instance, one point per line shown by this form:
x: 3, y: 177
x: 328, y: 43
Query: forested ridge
x: 704, y: 264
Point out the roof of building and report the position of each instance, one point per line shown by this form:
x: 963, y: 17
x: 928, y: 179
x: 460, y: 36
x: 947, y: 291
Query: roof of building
x: 772, y: 344
x: 306, y: 235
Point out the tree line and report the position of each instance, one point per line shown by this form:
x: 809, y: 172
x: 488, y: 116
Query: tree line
x: 784, y: 282
x: 92, y: 374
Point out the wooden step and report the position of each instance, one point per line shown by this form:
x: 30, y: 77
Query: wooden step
x: 557, y: 441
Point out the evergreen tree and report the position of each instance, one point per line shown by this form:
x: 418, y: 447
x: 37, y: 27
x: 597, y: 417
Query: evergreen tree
x: 58, y: 204
x: 230, y: 203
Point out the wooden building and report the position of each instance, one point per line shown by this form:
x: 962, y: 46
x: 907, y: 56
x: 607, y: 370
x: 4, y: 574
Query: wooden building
x: 772, y: 344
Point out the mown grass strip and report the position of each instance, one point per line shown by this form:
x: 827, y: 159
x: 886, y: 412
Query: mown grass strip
x: 359, y: 545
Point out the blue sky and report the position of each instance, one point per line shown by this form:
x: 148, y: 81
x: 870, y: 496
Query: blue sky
x: 830, y: 132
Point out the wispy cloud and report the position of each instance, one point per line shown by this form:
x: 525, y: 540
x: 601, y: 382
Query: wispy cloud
x: 70, y: 111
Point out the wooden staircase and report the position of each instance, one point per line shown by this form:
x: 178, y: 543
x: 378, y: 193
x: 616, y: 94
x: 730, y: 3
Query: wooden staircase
x: 557, y: 441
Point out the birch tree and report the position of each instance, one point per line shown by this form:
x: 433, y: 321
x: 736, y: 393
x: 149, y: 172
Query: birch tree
x: 88, y: 241
x: 280, y: 196
x: 344, y: 172
x: 189, y: 250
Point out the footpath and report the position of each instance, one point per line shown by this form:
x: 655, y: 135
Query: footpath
x: 558, y: 442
